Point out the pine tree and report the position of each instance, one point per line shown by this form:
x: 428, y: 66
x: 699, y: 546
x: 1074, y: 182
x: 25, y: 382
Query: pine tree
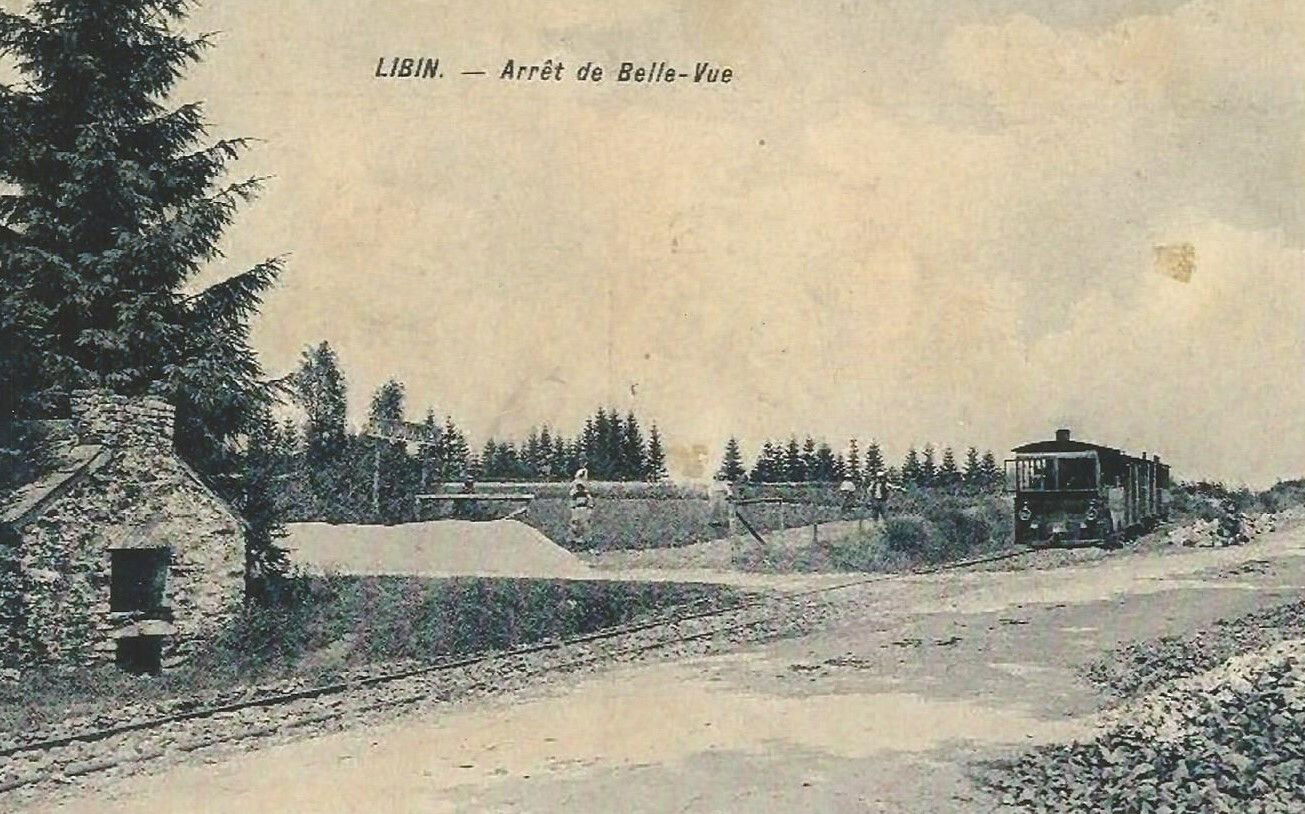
x: 762, y: 471
x: 655, y: 467
x: 491, y: 461
x: 564, y: 463
x: 794, y: 466
x: 387, y: 402
x: 546, y: 463
x: 602, y: 460
x: 990, y: 473
x: 972, y: 473
x: 398, y: 472
x: 852, y: 468
x: 429, y: 450
x: 928, y: 467
x: 823, y: 465
x: 776, y: 461
x: 576, y: 458
x: 455, y: 457
x: 874, y: 459
x: 115, y: 205
x: 948, y: 474
x: 266, y: 464
x: 587, y: 447
x: 318, y: 386
x: 731, y: 465
x: 634, y: 454
x: 911, y: 467
x: 112, y: 205
x: 809, y: 458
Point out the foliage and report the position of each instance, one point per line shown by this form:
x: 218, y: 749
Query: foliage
x: 322, y: 629
x: 909, y: 534
x: 117, y: 205
x: 655, y: 470
x: 731, y: 466
x: 115, y: 202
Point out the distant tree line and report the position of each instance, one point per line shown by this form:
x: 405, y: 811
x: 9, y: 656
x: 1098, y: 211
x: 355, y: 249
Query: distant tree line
x: 329, y: 472
x: 812, y: 461
x: 609, y: 446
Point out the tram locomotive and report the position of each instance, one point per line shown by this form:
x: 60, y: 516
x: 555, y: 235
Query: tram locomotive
x: 1070, y: 492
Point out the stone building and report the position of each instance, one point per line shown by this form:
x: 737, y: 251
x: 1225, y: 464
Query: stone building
x: 122, y: 553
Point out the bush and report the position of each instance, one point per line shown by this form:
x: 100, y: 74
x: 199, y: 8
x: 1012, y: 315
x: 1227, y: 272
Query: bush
x: 958, y: 534
x: 908, y: 534
x: 866, y: 552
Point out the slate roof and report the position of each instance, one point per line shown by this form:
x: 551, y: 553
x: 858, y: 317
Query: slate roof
x: 73, y: 465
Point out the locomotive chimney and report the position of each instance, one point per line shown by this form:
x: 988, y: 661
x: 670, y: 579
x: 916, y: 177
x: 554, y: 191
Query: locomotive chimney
x: 1062, y: 435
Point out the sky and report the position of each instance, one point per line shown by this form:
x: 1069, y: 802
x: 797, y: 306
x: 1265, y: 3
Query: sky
x: 908, y: 220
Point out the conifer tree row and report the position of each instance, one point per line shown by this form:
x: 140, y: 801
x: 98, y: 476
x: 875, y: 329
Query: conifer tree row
x: 808, y: 460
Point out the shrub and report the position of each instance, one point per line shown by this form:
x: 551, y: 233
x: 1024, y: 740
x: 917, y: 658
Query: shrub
x: 867, y: 552
x: 907, y: 534
x: 959, y: 533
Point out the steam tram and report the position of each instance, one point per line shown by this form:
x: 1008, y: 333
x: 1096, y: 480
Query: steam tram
x: 1071, y: 492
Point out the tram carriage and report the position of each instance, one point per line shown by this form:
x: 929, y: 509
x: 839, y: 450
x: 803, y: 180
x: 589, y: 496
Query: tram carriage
x: 1070, y: 492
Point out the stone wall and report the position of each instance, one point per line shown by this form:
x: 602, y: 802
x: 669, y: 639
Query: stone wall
x: 141, y: 495
x: 101, y: 417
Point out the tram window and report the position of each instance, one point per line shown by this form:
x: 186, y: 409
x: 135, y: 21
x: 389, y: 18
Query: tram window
x: 1034, y: 474
x: 1076, y: 473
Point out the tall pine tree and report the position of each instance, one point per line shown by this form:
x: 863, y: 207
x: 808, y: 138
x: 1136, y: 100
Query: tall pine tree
x: 795, y: 466
x: 928, y: 466
x: 633, y: 452
x: 948, y: 474
x: 117, y: 203
x: 731, y: 465
x: 113, y: 201
x: 852, y: 463
x: 990, y: 473
x: 655, y: 468
x: 874, y: 459
x: 912, y: 471
x: 971, y: 473
x: 318, y: 387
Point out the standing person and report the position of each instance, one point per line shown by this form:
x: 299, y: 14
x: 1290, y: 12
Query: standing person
x: 878, y: 489
x: 466, y: 509
x: 847, y: 497
x: 582, y: 507
x: 718, y: 494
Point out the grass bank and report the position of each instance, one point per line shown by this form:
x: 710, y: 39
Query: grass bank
x: 922, y: 528
x: 330, y: 626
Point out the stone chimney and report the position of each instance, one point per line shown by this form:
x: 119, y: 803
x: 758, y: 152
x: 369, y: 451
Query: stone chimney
x: 1062, y: 434
x: 103, y: 417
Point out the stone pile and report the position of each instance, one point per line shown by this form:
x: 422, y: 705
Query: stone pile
x: 1232, y: 530
x: 1229, y: 739
x: 1140, y: 667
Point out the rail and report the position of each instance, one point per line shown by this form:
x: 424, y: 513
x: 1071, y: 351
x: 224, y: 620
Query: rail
x: 337, y: 688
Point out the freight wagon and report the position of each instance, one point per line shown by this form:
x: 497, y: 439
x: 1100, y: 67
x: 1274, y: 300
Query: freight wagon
x: 1070, y: 492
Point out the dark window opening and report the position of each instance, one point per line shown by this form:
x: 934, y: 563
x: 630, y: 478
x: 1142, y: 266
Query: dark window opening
x: 138, y: 579
x: 1077, y: 473
x: 1055, y: 473
x: 141, y: 655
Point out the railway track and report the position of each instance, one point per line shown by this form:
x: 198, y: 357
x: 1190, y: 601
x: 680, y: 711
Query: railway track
x: 97, y: 750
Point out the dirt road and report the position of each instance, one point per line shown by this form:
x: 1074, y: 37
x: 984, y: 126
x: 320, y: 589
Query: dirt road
x: 881, y: 711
